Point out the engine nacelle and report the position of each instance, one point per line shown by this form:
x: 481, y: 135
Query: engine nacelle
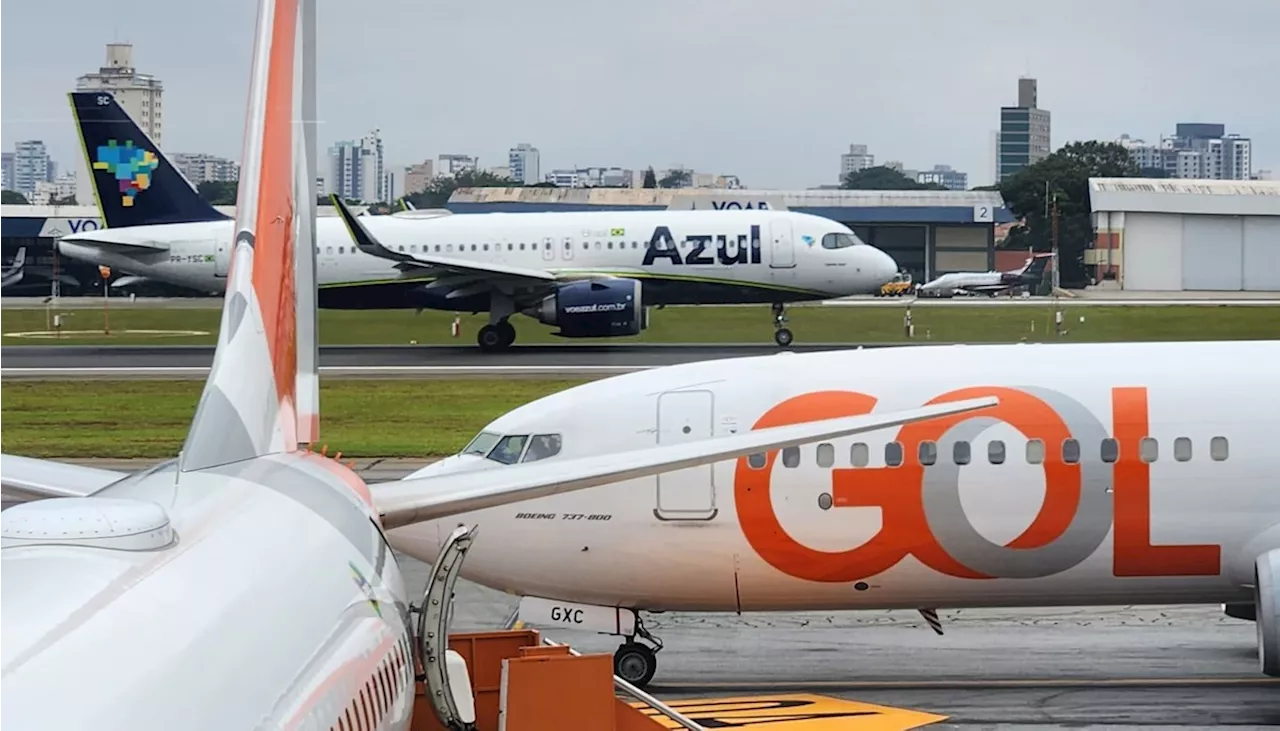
x: 594, y: 309
x: 1266, y: 596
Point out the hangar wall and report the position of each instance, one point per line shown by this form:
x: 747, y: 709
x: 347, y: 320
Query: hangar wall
x: 1172, y: 251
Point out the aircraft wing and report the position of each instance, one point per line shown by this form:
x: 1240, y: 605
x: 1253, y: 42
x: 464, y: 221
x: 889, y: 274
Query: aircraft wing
x: 405, y: 502
x: 453, y: 273
x: 29, y: 478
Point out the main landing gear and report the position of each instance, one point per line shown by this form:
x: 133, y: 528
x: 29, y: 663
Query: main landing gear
x: 781, y: 335
x: 635, y: 662
x: 496, y: 336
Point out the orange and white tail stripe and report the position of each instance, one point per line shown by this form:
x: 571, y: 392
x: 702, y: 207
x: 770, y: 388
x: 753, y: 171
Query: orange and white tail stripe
x: 248, y: 408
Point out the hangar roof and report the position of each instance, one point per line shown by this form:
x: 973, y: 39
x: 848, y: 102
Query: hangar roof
x: 1176, y: 195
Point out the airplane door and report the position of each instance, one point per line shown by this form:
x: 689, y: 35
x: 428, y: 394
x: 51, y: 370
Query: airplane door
x: 566, y: 247
x: 548, y: 249
x: 781, y: 253
x: 688, y: 494
x: 221, y: 257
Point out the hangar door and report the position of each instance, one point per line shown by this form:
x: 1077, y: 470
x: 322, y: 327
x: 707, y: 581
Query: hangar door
x: 1152, y: 259
x: 1262, y: 253
x: 1212, y: 252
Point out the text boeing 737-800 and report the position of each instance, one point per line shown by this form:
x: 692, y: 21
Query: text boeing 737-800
x: 1107, y: 474
x: 591, y: 274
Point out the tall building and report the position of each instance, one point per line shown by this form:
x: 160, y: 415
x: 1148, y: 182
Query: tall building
x: 31, y: 165
x: 1196, y: 150
x: 451, y: 164
x: 198, y: 167
x: 1024, y: 131
x: 139, y: 95
x: 357, y: 172
x: 857, y: 158
x: 946, y: 177
x: 524, y: 164
x: 418, y: 177
x: 7, y: 182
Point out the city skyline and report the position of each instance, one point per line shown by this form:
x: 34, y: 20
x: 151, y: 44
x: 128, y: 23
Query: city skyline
x: 776, y: 119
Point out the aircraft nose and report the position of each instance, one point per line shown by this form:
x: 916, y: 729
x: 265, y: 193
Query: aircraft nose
x: 882, y: 267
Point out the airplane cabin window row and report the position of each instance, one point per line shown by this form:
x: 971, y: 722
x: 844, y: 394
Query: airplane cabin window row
x: 546, y: 246
x: 392, y: 680
x: 927, y: 453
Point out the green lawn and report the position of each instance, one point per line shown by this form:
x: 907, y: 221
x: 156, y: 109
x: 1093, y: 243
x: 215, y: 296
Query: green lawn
x: 813, y: 324
x: 122, y: 419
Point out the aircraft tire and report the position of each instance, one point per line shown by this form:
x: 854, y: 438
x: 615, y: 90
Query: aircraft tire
x: 508, y: 332
x: 492, y: 339
x: 635, y: 663
x: 782, y: 337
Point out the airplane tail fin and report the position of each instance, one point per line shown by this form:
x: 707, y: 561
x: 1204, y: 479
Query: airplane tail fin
x: 249, y: 407
x: 1035, y: 266
x: 134, y: 183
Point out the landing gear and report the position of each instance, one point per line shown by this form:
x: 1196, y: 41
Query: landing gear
x: 634, y: 662
x: 781, y: 335
x: 497, y: 336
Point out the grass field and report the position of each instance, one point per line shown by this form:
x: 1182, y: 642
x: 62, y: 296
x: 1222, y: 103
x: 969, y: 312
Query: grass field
x: 123, y: 419
x: 701, y: 325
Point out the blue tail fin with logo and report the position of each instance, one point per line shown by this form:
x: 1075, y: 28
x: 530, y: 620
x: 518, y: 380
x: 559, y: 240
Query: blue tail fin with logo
x: 133, y: 181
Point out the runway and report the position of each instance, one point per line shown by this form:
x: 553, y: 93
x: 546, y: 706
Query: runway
x: 382, y: 361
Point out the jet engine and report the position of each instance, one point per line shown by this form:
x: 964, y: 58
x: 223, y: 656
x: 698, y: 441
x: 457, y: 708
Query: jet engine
x: 594, y: 309
x: 1266, y: 597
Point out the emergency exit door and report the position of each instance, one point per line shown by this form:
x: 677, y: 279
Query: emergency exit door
x: 688, y: 494
x: 782, y: 254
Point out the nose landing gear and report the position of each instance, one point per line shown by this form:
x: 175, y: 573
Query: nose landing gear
x: 635, y: 662
x: 781, y: 335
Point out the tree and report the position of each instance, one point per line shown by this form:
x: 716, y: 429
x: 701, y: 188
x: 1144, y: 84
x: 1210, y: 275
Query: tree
x: 13, y: 197
x: 1062, y: 178
x: 676, y: 179
x: 650, y: 178
x: 439, y: 190
x: 218, y: 193
x: 883, y: 178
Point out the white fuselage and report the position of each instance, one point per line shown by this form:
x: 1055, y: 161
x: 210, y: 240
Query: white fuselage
x: 258, y: 599
x: 1180, y: 515
x: 790, y: 261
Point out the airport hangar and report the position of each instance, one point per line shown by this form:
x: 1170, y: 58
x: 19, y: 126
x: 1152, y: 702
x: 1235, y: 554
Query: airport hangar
x: 1186, y: 235
x: 927, y: 232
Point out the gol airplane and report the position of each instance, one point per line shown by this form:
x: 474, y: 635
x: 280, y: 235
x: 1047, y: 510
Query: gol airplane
x: 1107, y: 474
x: 248, y: 583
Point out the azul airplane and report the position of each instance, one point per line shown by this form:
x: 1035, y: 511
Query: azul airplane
x: 991, y: 283
x: 590, y: 274
x: 1109, y: 474
x: 248, y: 583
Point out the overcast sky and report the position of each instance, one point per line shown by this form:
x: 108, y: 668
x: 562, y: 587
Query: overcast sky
x: 771, y: 91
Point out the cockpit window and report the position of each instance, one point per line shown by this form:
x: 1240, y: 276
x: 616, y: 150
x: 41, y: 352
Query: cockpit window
x: 839, y: 241
x: 509, y: 449
x: 541, y: 447
x: 481, y: 445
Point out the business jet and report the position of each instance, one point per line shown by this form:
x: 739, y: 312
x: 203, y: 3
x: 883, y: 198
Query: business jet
x: 14, y: 273
x: 1109, y: 474
x: 248, y: 583
x: 989, y: 283
x: 589, y: 274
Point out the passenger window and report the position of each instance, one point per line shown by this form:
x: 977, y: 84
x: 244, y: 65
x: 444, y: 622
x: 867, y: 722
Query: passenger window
x: 995, y: 451
x: 1035, y: 451
x: 756, y: 461
x: 826, y: 455
x: 1182, y: 449
x: 791, y: 457
x: 486, y: 247
x: 1110, y: 450
x: 960, y: 453
x: 508, y: 449
x: 522, y: 247
x: 928, y: 453
x: 342, y: 249
x: 893, y: 454
x: 437, y: 248
x: 328, y: 249
x: 541, y: 447
x: 1148, y: 449
x: 609, y: 245
x: 859, y: 455
x: 1218, y: 448
x: 1070, y: 451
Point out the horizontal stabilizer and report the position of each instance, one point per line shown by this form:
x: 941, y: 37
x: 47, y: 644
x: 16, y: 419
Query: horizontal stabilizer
x: 416, y: 500
x: 30, y: 478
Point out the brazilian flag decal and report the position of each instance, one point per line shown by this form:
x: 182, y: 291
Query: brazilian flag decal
x: 617, y: 232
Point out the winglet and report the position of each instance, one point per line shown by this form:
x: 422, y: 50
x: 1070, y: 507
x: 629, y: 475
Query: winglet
x: 248, y: 408
x: 361, y: 236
